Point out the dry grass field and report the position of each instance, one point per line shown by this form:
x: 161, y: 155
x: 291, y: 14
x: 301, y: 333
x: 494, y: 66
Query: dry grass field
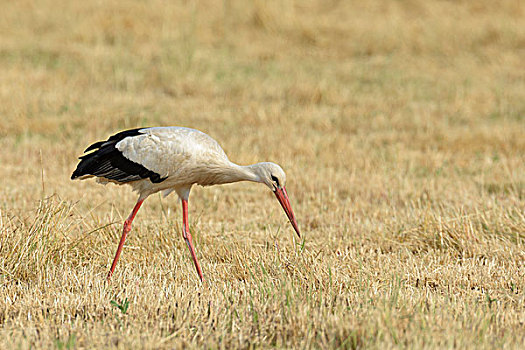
x: 400, y: 124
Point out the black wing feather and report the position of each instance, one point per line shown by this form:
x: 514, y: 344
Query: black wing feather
x: 108, y: 162
x: 96, y: 145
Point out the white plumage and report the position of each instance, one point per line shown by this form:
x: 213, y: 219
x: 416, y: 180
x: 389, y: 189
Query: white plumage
x: 172, y: 159
x: 181, y: 155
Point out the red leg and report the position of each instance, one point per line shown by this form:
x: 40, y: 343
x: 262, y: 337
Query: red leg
x: 125, y: 231
x: 187, y: 237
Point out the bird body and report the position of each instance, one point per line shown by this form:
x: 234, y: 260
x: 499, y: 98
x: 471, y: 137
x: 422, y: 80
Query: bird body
x: 178, y: 156
x: 172, y: 159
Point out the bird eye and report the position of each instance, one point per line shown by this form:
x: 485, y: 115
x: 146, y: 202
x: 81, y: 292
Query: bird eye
x: 276, y: 180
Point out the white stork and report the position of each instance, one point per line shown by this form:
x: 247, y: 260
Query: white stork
x: 172, y: 159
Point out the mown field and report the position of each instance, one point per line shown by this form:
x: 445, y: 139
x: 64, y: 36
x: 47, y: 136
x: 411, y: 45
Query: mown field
x: 400, y: 124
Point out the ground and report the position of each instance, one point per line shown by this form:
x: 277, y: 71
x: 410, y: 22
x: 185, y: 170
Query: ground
x: 400, y: 125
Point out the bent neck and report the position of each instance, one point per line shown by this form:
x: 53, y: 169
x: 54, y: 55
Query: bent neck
x: 235, y: 173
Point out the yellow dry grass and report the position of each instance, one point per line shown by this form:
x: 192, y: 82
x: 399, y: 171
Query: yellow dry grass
x: 401, y: 127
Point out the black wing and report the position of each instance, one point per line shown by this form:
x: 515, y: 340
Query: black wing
x: 108, y: 162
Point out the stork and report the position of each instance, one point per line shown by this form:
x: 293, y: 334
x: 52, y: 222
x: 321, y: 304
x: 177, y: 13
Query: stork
x: 171, y: 159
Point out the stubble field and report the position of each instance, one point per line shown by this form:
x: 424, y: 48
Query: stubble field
x: 400, y: 125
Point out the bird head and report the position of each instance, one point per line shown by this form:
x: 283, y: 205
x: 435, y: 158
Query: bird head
x: 273, y: 176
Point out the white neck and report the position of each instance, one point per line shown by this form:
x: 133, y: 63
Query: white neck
x: 232, y: 172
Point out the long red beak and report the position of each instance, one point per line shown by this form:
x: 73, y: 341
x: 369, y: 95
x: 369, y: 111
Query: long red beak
x: 282, y: 196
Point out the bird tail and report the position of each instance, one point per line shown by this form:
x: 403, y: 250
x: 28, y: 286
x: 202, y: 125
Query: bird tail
x: 89, y: 166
